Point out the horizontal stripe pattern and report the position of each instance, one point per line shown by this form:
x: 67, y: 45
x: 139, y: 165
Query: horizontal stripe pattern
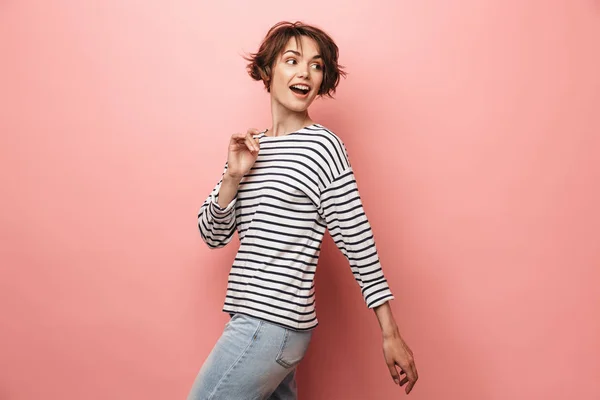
x: 301, y: 185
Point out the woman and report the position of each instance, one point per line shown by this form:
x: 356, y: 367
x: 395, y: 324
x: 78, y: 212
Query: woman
x: 281, y: 189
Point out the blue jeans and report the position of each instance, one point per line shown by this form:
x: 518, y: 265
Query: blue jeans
x: 252, y: 360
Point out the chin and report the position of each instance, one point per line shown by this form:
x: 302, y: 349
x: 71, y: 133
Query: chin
x: 298, y: 106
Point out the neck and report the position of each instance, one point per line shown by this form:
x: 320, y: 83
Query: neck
x: 285, y: 121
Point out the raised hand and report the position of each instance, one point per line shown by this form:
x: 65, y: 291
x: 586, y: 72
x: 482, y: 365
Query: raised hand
x: 243, y: 151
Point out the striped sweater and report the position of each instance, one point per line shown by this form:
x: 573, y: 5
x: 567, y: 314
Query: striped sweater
x: 300, y: 185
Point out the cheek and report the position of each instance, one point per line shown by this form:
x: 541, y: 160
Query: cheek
x: 280, y: 80
x: 274, y: 84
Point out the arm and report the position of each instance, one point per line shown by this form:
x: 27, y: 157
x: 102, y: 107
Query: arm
x: 216, y: 219
x: 343, y: 212
x: 228, y: 190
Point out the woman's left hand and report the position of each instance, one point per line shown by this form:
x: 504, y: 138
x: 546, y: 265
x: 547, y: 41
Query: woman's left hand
x: 397, y: 353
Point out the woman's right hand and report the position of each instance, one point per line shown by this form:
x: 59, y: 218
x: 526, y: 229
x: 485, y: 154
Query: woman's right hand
x: 243, y: 151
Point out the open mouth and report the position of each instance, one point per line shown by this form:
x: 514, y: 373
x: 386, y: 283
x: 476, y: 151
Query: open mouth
x: 300, y: 89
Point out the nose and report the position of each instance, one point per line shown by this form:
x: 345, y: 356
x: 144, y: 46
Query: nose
x: 303, y: 72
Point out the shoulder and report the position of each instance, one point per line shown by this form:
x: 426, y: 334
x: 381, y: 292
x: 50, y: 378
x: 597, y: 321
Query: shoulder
x: 331, y: 147
x: 322, y: 132
x: 327, y: 138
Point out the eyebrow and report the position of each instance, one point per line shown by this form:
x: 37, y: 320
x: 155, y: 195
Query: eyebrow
x: 299, y: 55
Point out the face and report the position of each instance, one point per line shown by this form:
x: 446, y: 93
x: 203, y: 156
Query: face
x: 297, y: 74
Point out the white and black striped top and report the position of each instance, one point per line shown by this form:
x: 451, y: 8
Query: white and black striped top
x: 300, y: 185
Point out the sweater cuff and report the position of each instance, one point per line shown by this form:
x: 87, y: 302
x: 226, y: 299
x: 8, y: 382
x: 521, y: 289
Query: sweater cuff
x: 381, y: 300
x: 376, y: 298
x: 217, y: 210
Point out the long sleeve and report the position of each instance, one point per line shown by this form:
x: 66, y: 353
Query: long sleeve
x: 341, y: 208
x: 217, y: 225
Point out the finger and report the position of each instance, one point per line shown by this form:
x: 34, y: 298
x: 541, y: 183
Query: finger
x: 409, y: 387
x: 238, y: 136
x: 238, y: 139
x: 255, y: 142
x: 413, y: 368
x: 394, y: 373
x: 252, y: 141
x: 251, y: 145
x: 253, y: 132
x: 403, y: 381
x: 408, y: 370
x: 411, y: 375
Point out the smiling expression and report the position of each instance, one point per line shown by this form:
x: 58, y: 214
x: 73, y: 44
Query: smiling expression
x: 297, y: 74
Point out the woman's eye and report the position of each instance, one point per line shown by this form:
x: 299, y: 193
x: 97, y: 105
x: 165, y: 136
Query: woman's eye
x: 317, y: 66
x: 291, y: 61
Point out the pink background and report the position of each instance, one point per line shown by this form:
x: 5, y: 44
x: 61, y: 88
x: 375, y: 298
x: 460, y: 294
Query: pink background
x: 474, y: 130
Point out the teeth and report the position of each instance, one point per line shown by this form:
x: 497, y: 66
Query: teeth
x: 301, y: 87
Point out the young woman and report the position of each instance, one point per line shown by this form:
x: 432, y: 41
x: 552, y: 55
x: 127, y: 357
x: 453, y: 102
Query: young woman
x: 281, y: 189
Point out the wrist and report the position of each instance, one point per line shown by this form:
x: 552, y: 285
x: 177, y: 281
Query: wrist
x: 228, y: 178
x: 387, y: 322
x: 390, y: 332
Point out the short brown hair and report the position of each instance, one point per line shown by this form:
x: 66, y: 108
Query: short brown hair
x: 261, y: 62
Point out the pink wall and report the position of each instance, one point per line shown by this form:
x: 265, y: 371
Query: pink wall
x: 474, y: 130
